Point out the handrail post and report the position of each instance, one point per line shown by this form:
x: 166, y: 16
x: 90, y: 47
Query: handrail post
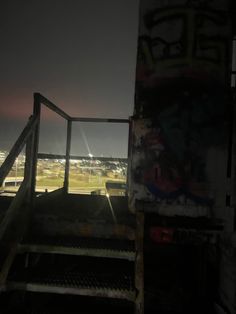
x: 139, y: 263
x: 129, y: 153
x: 67, y: 165
x: 17, y: 148
x: 34, y: 145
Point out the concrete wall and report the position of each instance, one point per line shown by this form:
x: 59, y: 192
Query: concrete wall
x: 180, y: 133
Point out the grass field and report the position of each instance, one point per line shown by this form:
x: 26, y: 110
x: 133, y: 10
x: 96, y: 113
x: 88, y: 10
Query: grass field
x: 80, y: 182
x: 50, y: 176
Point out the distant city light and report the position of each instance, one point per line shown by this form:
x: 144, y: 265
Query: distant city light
x: 87, y: 174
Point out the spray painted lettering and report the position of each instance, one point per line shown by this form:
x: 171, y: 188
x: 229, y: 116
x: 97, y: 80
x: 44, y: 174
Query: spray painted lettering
x: 183, y: 43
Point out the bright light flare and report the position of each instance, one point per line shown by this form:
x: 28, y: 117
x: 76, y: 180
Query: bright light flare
x: 85, y: 141
x: 111, y: 208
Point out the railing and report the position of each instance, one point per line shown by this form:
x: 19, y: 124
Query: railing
x: 17, y: 148
x: 40, y: 100
x: 29, y: 138
x: 14, y: 223
x: 33, y: 128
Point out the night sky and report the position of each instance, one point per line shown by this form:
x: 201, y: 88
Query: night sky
x: 81, y: 54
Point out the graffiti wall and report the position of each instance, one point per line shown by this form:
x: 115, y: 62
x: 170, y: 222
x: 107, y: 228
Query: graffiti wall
x: 179, y: 45
x: 180, y: 114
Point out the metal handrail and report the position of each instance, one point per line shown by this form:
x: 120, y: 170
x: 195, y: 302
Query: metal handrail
x: 30, y: 137
x: 38, y: 101
x: 17, y: 148
x: 29, y: 128
x: 10, y: 232
x: 43, y: 100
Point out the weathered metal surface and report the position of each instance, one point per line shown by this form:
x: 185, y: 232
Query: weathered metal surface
x: 64, y: 215
x: 77, y: 251
x: 12, y: 212
x: 54, y: 226
x: 81, y: 242
x: 77, y: 290
x: 15, y: 222
x: 94, y: 247
x: 73, y: 275
x: 11, y: 254
x: 58, y: 214
x: 58, y: 304
x: 12, y: 228
x: 32, y: 151
x: 139, y: 264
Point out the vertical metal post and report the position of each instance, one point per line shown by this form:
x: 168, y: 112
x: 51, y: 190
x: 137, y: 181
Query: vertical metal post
x: 67, y: 165
x: 233, y: 160
x: 129, y: 155
x: 231, y: 164
x: 28, y: 166
x: 31, y: 153
x: 35, y: 144
x: 139, y: 263
x: 28, y: 177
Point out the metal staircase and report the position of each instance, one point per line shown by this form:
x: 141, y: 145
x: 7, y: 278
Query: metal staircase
x: 67, y: 255
x: 81, y: 270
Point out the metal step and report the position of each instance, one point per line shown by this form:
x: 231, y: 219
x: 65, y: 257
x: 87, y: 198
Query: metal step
x: 109, y: 248
x: 67, y: 288
x: 74, y: 275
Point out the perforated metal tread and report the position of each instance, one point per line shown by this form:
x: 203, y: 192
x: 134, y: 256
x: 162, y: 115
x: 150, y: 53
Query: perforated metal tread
x: 76, y: 290
x: 110, y: 248
x: 74, y: 275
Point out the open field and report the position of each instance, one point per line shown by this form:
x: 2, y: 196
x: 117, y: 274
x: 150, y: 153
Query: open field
x: 77, y: 183
x: 84, y: 176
